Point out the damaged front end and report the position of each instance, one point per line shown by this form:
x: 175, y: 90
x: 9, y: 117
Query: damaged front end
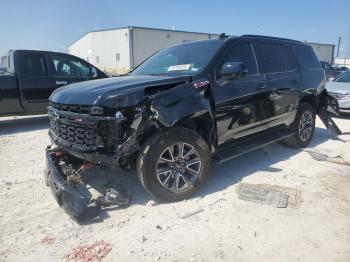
x: 328, y: 107
x: 108, y: 134
x: 65, y: 175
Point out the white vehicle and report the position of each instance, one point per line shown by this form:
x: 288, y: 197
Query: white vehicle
x: 339, y: 88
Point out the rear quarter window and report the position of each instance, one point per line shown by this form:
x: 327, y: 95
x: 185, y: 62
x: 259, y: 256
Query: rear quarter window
x: 269, y: 58
x: 306, y: 57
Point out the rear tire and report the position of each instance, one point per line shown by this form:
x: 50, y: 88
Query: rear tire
x: 303, y: 127
x: 174, y: 164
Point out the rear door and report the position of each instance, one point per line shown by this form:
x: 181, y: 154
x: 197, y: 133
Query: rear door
x: 242, y: 105
x: 34, y: 81
x: 277, y: 63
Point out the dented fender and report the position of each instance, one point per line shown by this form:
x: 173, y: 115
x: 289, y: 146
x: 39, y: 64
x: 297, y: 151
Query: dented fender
x: 168, y: 108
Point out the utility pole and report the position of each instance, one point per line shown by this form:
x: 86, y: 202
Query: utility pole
x: 339, y: 41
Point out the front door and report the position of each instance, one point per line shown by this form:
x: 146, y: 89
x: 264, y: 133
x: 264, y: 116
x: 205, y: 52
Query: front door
x: 66, y: 69
x: 242, y: 105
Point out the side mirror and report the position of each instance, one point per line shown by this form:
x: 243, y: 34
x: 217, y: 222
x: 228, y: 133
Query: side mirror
x: 93, y: 73
x: 233, y: 70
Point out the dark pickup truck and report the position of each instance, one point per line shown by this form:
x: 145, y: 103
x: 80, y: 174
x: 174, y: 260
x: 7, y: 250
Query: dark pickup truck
x: 32, y: 76
x: 182, y: 108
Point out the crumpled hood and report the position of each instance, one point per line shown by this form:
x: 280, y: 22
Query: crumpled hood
x: 112, y: 92
x: 338, y: 87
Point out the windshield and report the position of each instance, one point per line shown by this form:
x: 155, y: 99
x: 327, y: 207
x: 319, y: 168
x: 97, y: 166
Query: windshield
x: 344, y: 77
x: 187, y: 59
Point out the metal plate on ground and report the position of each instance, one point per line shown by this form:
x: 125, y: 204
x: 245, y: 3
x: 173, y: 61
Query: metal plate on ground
x: 280, y: 197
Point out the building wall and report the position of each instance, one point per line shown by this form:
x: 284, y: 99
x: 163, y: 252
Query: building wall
x: 82, y: 48
x: 149, y: 41
x: 342, y: 61
x: 102, y: 48
x: 324, y: 52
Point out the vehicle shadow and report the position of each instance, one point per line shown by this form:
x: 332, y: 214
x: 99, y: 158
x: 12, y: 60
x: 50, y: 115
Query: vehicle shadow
x: 23, y: 124
x: 220, y: 178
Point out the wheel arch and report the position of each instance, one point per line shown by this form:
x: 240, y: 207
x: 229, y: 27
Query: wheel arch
x: 203, y: 125
x: 311, y: 99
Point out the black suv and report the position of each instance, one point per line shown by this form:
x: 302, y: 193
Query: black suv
x: 183, y: 107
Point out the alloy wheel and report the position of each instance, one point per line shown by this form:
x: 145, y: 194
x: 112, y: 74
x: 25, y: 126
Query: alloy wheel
x: 178, y: 167
x: 305, y: 126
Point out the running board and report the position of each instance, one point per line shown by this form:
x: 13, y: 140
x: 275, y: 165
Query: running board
x: 247, y: 145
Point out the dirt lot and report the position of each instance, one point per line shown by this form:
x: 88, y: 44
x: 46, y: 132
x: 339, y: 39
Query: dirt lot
x: 213, y: 225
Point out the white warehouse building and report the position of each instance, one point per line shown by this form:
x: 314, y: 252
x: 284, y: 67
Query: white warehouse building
x: 121, y: 49
x: 118, y: 50
x: 324, y: 52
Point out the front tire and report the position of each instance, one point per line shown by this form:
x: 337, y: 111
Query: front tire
x: 303, y: 127
x: 174, y: 164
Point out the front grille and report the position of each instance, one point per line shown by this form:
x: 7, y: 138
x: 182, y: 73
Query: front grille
x: 81, y: 109
x: 73, y: 129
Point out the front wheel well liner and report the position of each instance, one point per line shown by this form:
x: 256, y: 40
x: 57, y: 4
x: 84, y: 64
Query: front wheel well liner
x: 311, y: 99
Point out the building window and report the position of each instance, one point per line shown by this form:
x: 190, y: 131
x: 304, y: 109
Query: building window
x: 97, y: 59
x: 117, y: 57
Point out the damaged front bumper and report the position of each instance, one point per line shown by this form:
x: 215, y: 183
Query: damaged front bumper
x: 329, y: 107
x: 65, y: 175
x: 73, y: 198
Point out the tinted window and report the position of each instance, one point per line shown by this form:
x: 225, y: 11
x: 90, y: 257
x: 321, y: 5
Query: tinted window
x: 270, y: 58
x: 35, y: 65
x: 306, y: 57
x: 68, y: 66
x: 243, y: 53
x: 289, y: 61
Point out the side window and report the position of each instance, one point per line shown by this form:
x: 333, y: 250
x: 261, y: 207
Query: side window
x: 270, y: 58
x: 306, y: 56
x: 67, y: 66
x: 289, y: 61
x: 35, y: 65
x: 243, y: 53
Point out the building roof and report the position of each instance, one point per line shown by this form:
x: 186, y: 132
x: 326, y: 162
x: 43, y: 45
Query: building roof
x: 140, y: 27
x: 170, y: 30
x: 319, y: 44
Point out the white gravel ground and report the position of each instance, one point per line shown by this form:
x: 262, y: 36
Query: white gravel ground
x: 212, y: 226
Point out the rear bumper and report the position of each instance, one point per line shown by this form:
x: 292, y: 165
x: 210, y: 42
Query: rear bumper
x: 74, y: 199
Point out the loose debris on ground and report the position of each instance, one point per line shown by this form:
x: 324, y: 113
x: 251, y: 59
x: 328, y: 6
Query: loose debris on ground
x: 272, y: 195
x: 48, y: 240
x: 89, y: 252
x: 324, y: 157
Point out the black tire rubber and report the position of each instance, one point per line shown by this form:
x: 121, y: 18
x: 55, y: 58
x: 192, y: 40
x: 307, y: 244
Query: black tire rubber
x: 295, y: 140
x: 151, y: 151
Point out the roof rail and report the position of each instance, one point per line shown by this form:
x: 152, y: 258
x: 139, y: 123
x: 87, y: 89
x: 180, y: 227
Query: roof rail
x: 272, y: 37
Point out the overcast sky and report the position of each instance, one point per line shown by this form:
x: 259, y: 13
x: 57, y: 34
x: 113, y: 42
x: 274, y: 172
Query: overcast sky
x: 53, y: 25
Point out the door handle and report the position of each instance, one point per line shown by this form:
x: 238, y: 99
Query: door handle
x: 61, y: 82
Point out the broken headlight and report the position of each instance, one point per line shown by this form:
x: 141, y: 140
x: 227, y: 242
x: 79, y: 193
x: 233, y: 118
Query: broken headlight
x: 119, y: 116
